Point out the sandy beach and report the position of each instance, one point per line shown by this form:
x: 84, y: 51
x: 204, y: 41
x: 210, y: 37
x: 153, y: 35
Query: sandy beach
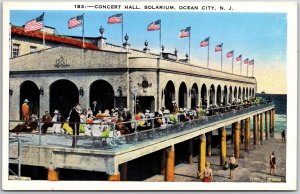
x: 253, y: 165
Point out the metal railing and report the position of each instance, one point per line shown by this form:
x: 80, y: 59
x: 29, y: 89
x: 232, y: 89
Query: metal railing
x: 16, y: 159
x: 94, y: 137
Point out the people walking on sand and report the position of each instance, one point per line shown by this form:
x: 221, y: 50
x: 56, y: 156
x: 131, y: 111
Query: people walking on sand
x: 283, y: 136
x: 232, y: 165
x: 206, y: 173
x: 272, y: 163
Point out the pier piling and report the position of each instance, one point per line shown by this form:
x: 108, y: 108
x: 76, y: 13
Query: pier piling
x: 169, y: 177
x: 202, y: 154
x: 266, y: 125
x: 222, y: 132
x: 236, y: 127
x: 247, y: 134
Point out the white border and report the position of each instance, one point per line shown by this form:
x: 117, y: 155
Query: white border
x: 267, y: 7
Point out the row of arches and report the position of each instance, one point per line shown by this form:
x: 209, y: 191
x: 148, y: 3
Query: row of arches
x: 64, y: 94
x: 211, y: 95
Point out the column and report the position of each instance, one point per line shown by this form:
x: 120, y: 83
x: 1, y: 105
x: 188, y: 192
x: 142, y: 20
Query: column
x: 190, y: 154
x: 243, y: 131
x: 163, y: 156
x: 255, y: 129
x: 169, y: 177
x: 232, y: 133
x: 123, y: 171
x: 273, y: 121
x: 261, y: 128
x: 208, y: 143
x: 115, y: 177
x: 202, y: 154
x: 247, y: 134
x: 266, y: 125
x: 236, y: 128
x: 52, y: 174
x: 222, y: 132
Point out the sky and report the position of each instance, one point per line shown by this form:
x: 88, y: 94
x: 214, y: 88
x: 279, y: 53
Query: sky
x: 258, y: 36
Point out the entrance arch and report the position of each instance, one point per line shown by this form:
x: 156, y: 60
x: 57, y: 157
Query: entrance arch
x: 182, y: 96
x: 240, y: 93
x: 203, y: 95
x: 219, y: 95
x: 230, y: 94
x: 212, y: 95
x: 169, y: 93
x: 30, y: 91
x: 235, y: 94
x: 253, y: 94
x: 247, y: 97
x: 225, y: 101
x: 63, y: 96
x: 243, y: 97
x: 102, y: 92
x: 194, y: 96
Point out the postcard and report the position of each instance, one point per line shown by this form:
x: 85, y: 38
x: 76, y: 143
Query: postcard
x: 149, y: 96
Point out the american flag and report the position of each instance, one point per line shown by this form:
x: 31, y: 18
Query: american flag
x: 75, y: 21
x: 218, y: 47
x: 239, y: 58
x: 35, y: 24
x: 204, y: 42
x: 115, y: 19
x: 154, y: 26
x: 230, y: 54
x: 251, y: 62
x: 185, y: 32
x: 246, y: 61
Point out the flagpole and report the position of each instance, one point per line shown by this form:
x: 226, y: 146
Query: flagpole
x: 83, y: 30
x: 160, y: 36
x: 232, y: 62
x: 241, y: 65
x: 222, y: 59
x: 44, y: 44
x: 208, y: 54
x: 190, y: 44
x: 122, y: 28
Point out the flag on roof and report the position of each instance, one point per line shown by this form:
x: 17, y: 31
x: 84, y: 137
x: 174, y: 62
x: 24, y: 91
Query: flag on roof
x: 230, y: 54
x: 185, y: 32
x: 239, y: 58
x: 35, y: 24
x: 204, y: 42
x: 251, y: 62
x: 75, y: 21
x: 154, y: 26
x: 218, y: 47
x: 246, y: 61
x: 115, y: 19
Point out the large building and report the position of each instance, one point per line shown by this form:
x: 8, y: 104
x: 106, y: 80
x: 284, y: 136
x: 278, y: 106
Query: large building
x: 64, y: 71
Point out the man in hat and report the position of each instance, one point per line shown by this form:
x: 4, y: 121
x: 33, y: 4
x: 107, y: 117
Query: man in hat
x: 47, y: 121
x: 25, y: 110
x: 74, y: 122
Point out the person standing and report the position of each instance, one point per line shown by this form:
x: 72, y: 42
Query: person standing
x: 283, y: 136
x: 207, y: 173
x: 74, y: 122
x: 47, y: 122
x: 272, y: 163
x: 95, y: 108
x: 25, y: 110
x: 232, y: 165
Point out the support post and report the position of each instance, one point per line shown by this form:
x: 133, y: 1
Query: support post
x: 202, y: 154
x: 256, y: 120
x: 242, y: 131
x: 261, y: 128
x: 247, y: 134
x: 236, y: 126
x: 208, y: 143
x: 266, y: 125
x: 53, y: 174
x: 115, y: 177
x: 232, y: 133
x: 222, y: 132
x: 190, y: 154
x: 169, y: 177
x: 123, y: 171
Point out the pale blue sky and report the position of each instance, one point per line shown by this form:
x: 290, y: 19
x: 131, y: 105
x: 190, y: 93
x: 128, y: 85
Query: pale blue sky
x: 261, y: 36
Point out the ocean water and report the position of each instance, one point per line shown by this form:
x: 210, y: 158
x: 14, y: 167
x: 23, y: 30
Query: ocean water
x: 280, y: 101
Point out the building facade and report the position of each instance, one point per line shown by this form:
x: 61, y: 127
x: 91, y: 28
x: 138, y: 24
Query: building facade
x: 65, y: 72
